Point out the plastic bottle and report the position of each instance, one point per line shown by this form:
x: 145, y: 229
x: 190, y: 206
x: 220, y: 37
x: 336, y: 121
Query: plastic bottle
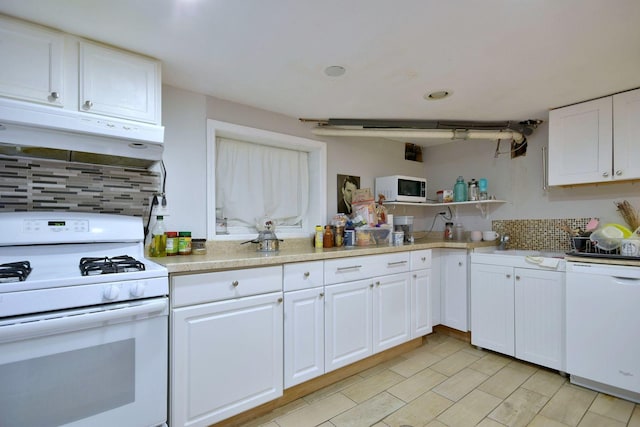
x: 319, y: 237
x: 460, y: 190
x: 473, y: 194
x: 328, y: 237
x: 458, y: 232
x: 158, y: 239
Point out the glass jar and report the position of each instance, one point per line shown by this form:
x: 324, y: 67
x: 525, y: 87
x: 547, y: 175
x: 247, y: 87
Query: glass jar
x: 458, y: 232
x: 460, y: 190
x: 448, y: 231
x: 172, y: 243
x: 184, y: 243
x: 199, y: 246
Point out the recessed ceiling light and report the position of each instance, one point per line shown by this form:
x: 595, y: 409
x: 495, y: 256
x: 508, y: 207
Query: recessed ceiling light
x: 334, y: 70
x: 437, y: 95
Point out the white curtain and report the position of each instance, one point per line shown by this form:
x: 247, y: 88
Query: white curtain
x: 254, y: 180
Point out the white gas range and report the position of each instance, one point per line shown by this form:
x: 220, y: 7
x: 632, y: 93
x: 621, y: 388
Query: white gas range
x: 83, y: 322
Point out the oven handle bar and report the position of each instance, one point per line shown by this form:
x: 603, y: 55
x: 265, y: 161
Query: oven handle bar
x: 78, y: 321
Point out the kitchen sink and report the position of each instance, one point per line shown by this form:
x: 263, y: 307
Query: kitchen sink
x: 523, y: 258
x: 525, y: 252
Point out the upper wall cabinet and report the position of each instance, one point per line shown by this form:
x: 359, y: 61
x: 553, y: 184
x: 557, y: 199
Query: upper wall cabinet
x: 119, y: 84
x: 593, y: 142
x: 32, y: 67
x: 52, y: 68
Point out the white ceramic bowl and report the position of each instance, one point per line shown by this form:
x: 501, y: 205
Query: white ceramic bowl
x: 476, y: 236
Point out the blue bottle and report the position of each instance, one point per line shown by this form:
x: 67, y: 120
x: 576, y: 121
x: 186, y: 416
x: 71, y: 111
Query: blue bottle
x: 460, y: 190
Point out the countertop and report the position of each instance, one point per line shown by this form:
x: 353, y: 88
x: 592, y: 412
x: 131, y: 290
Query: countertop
x: 231, y: 255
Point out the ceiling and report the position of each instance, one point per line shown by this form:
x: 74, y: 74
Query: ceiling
x: 501, y: 59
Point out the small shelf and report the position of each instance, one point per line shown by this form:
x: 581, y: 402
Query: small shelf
x: 482, y: 205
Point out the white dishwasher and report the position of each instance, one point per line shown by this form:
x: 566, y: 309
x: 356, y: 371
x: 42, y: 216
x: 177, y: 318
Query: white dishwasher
x: 603, y: 327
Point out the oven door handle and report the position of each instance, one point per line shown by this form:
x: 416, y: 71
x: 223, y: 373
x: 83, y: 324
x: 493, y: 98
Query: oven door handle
x: 75, y: 320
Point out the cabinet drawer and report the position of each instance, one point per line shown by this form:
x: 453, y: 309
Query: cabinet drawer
x: 206, y: 287
x: 421, y: 259
x: 357, y: 268
x: 303, y: 275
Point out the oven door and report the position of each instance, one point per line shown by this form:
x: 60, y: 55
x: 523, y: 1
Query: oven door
x: 100, y: 366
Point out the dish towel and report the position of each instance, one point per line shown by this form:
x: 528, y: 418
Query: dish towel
x: 551, y: 263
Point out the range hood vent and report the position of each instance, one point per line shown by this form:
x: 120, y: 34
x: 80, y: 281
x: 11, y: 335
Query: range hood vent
x: 47, y: 132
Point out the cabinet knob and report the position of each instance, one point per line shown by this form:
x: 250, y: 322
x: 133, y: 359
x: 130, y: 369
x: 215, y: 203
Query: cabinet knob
x: 377, y: 283
x: 280, y: 299
x: 508, y: 276
x: 619, y: 172
x: 517, y: 277
x: 371, y: 285
x: 306, y: 274
x: 605, y: 174
x: 87, y: 105
x: 321, y: 295
x: 55, y: 96
x: 415, y: 276
x: 235, y: 283
x: 459, y: 263
x: 423, y: 259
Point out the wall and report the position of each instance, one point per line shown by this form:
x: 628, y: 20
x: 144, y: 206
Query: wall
x: 517, y: 181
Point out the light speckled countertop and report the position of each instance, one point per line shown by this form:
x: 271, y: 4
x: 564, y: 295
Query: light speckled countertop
x: 231, y: 255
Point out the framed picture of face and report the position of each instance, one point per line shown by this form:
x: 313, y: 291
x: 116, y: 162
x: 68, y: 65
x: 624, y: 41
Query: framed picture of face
x: 347, y: 184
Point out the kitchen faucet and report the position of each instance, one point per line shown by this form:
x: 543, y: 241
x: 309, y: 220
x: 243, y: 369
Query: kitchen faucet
x: 504, y: 239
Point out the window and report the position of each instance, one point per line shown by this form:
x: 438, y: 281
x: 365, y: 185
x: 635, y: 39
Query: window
x: 252, y: 173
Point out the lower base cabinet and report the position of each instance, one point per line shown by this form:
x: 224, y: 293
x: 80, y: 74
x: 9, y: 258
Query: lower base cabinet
x: 519, y: 312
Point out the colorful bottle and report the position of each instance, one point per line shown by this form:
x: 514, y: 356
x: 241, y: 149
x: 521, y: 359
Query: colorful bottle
x: 319, y: 237
x: 460, y: 190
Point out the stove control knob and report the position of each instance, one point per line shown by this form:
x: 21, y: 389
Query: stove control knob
x: 137, y: 289
x: 111, y: 292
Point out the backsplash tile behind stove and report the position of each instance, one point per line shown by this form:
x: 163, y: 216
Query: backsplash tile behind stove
x: 539, y: 234
x: 34, y: 184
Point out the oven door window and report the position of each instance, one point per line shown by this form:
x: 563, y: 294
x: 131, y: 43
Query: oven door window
x: 112, y: 375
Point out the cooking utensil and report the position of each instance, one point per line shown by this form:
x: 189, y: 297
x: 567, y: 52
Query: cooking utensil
x: 267, y: 241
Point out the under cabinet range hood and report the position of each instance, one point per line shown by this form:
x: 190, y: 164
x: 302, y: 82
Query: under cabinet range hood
x: 28, y: 130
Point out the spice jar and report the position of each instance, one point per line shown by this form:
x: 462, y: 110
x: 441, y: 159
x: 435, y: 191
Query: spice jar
x: 184, y: 243
x: 172, y: 243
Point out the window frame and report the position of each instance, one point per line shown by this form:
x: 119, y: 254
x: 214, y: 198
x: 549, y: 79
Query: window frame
x: 317, y: 175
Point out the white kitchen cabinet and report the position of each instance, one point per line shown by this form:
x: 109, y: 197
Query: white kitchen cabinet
x: 492, y: 308
x: 368, y: 313
x: 116, y: 83
x: 540, y: 317
x: 519, y: 312
x: 32, y: 69
x: 454, y: 289
x: 391, y: 311
x: 226, y: 344
x: 421, y: 317
x: 594, y: 141
x: 348, y: 323
x: 303, y: 322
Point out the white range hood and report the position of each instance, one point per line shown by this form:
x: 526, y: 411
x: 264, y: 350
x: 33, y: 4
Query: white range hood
x: 30, y: 130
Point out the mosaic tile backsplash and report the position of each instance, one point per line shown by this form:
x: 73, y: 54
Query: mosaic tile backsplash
x: 34, y: 184
x: 539, y: 234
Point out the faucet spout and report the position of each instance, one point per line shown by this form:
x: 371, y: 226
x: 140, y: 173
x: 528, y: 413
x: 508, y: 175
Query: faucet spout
x: 504, y: 239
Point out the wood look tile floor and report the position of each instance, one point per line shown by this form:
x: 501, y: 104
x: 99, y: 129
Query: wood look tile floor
x: 448, y: 382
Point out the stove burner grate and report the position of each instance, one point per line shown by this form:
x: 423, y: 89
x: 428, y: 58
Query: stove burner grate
x: 15, y: 270
x: 105, y: 265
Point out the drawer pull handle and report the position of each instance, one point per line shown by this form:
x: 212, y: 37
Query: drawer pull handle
x: 391, y: 264
x: 235, y: 283
x: 353, y: 267
x: 306, y: 274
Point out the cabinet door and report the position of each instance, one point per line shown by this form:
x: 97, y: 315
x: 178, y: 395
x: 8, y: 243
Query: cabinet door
x: 626, y: 125
x: 303, y: 335
x: 119, y: 84
x: 32, y: 63
x: 580, y: 143
x: 391, y: 311
x: 226, y: 358
x: 539, y: 316
x: 454, y: 289
x: 348, y: 336
x: 492, y: 308
x: 420, y: 303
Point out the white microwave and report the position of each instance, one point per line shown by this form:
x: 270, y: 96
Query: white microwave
x: 398, y: 188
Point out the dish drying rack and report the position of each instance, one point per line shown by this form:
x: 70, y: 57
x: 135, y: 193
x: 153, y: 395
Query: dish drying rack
x: 584, y: 245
